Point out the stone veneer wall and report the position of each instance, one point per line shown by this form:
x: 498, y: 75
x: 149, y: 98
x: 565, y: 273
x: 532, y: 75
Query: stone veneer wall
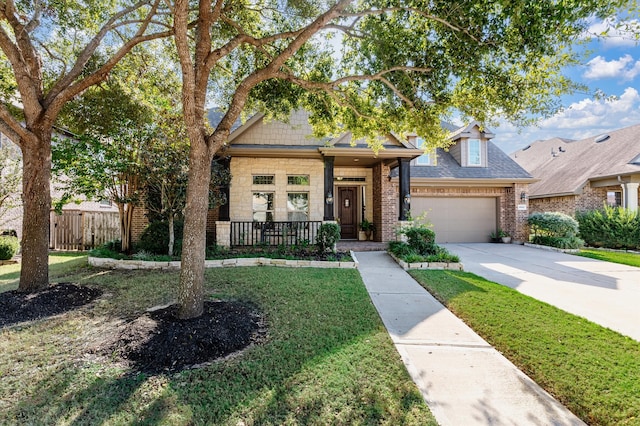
x: 242, y: 187
x: 385, y: 203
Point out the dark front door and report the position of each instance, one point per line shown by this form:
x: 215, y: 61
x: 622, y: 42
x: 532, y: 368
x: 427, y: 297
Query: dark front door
x: 348, y: 211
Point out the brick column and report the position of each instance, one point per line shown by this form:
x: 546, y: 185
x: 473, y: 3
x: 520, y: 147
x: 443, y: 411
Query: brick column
x: 384, y: 203
x: 515, y: 218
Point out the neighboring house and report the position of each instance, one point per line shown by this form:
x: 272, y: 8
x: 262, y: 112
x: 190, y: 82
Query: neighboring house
x: 580, y: 175
x: 285, y: 183
x: 81, y: 225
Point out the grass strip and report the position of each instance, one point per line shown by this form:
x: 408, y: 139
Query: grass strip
x: 624, y: 258
x: 327, y: 360
x: 593, y: 371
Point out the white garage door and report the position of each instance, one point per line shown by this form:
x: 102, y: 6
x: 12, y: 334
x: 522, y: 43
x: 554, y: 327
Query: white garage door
x: 458, y: 220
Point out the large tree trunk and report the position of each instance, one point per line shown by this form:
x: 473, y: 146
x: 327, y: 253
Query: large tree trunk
x: 36, y: 198
x: 191, y: 293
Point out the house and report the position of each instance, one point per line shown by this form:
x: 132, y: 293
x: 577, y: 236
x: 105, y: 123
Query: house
x: 285, y: 183
x: 580, y: 175
x: 471, y: 189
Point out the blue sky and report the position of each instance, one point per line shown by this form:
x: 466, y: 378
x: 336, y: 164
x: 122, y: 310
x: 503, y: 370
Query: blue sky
x: 613, y: 66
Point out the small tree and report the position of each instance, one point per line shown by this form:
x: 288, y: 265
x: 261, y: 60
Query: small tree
x: 10, y: 183
x: 104, y: 167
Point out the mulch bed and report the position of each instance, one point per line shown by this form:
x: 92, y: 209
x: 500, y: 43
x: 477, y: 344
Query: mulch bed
x: 155, y: 341
x: 16, y: 307
x: 159, y: 342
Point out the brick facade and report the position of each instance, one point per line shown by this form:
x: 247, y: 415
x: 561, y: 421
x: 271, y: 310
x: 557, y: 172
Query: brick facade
x: 510, y: 218
x: 385, y: 203
x: 140, y: 222
x: 591, y: 198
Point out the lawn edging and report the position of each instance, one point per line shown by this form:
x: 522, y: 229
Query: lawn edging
x: 549, y: 248
x: 451, y: 266
x: 109, y: 263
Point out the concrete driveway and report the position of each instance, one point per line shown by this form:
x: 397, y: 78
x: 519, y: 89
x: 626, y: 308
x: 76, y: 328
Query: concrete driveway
x: 605, y: 293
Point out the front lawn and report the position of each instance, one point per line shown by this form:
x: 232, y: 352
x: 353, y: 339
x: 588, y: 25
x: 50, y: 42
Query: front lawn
x: 327, y: 358
x: 625, y: 258
x: 593, y: 371
x: 60, y: 265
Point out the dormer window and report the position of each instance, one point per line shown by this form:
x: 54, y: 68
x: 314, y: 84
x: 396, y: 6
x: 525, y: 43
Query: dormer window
x: 474, y: 157
x: 426, y: 159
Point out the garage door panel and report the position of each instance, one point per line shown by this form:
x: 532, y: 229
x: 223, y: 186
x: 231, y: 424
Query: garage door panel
x: 458, y: 220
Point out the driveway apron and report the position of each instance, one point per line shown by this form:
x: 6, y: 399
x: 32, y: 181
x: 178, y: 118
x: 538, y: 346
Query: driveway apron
x: 463, y: 379
x: 602, y: 292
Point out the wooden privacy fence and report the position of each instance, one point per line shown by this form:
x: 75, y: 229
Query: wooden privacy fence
x: 78, y: 230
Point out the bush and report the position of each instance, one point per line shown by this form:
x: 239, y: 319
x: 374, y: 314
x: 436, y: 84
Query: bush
x: 610, y: 227
x: 555, y: 229
x: 155, y: 238
x: 328, y: 236
x: 8, y: 247
x: 420, y: 238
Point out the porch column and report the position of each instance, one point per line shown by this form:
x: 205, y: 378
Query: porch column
x: 328, y: 188
x: 404, y: 194
x: 223, y: 211
x: 630, y: 195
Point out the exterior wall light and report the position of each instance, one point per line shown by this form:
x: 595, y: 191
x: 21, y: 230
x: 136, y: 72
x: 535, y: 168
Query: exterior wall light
x: 523, y: 196
x: 407, y: 198
x: 329, y: 199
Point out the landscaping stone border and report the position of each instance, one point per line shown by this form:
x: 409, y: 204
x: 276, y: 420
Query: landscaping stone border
x: 452, y: 266
x: 549, y: 248
x: 108, y: 263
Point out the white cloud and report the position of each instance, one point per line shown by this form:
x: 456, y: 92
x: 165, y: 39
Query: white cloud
x: 624, y: 68
x: 614, y: 33
x: 582, y: 119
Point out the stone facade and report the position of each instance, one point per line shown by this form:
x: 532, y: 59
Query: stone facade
x: 242, y: 187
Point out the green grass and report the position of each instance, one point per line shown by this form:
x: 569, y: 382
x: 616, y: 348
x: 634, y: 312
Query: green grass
x: 327, y: 360
x: 60, y: 265
x: 625, y: 258
x: 594, y: 371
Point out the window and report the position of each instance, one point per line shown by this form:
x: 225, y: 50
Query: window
x: 474, y: 157
x: 614, y: 198
x: 297, y: 206
x: 105, y: 203
x: 424, y: 159
x: 263, y: 179
x: 298, y: 180
x: 263, y: 206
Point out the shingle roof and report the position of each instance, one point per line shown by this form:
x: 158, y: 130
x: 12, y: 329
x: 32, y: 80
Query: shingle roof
x: 563, y: 166
x: 500, y: 166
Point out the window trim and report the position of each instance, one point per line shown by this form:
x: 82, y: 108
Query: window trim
x: 469, y: 156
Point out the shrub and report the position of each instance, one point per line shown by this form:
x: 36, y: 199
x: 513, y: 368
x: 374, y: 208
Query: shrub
x: 554, y: 229
x: 328, y: 236
x: 420, y: 238
x: 400, y: 249
x: 8, y: 247
x: 155, y: 238
x: 610, y: 227
x: 110, y: 250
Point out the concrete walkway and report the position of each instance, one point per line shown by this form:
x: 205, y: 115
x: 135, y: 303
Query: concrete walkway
x: 463, y: 379
x: 603, y: 292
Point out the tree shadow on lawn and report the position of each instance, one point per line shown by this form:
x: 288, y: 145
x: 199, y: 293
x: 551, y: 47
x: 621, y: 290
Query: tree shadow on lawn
x: 262, y: 383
